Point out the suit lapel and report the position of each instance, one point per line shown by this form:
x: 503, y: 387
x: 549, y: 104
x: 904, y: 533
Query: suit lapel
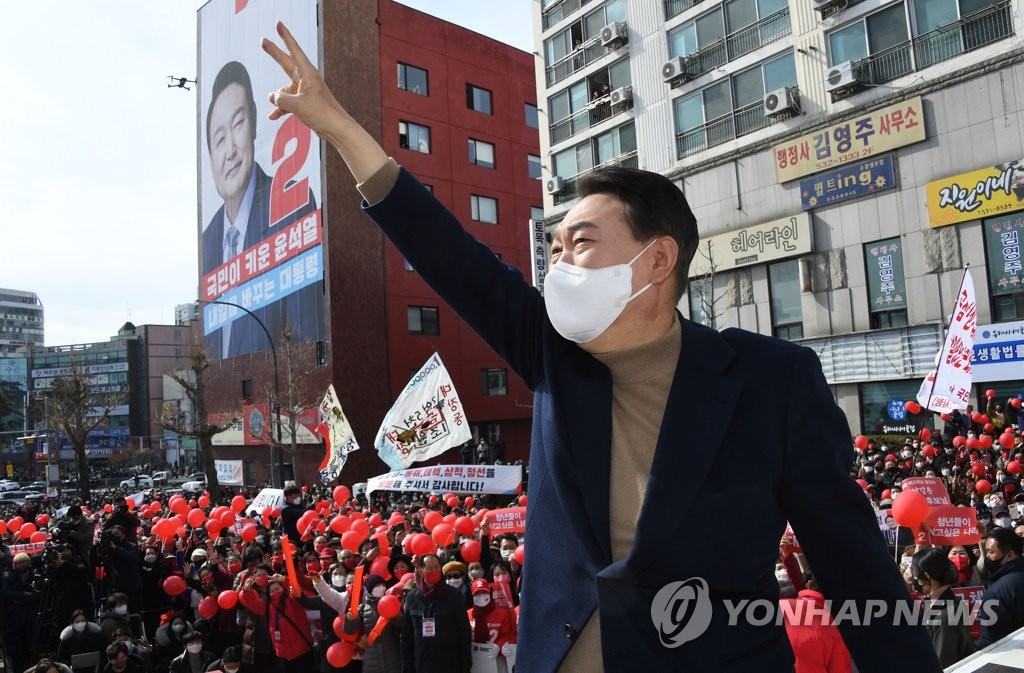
x: 700, y: 394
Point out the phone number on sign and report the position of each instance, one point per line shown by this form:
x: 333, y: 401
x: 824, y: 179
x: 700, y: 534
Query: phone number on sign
x: 844, y: 158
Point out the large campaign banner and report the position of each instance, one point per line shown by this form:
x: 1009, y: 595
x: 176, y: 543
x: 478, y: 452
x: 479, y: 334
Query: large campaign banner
x: 260, y: 183
x: 500, y: 479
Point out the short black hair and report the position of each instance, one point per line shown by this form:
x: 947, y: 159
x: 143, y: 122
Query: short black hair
x: 115, y: 648
x: 935, y: 564
x: 233, y: 72
x: 1006, y: 540
x: 232, y: 655
x: 653, y: 206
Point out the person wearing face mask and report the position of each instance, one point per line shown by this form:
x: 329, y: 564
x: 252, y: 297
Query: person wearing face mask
x: 258, y: 648
x: 80, y: 637
x: 963, y: 559
x: 398, y: 566
x: 195, y: 658
x: 292, y: 512
x: 170, y: 638
x: 490, y: 623
x: 231, y: 662
x: 116, y: 616
x: 332, y: 588
x: 383, y: 656
x: 504, y: 586
x: 287, y: 621
x: 119, y: 660
x: 618, y: 376
x: 435, y: 629
x: 455, y: 576
x: 137, y: 651
x: 1002, y: 610
x: 153, y: 596
x: 79, y: 530
x: 933, y: 574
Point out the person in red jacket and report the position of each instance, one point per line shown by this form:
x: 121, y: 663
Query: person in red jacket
x: 488, y: 621
x: 817, y: 645
x: 286, y: 619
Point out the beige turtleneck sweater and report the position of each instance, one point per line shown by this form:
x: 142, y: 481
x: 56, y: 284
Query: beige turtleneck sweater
x: 641, y: 379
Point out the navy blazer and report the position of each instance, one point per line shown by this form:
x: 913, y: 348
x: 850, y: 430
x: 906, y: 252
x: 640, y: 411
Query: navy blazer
x: 772, y: 446
x: 303, y: 310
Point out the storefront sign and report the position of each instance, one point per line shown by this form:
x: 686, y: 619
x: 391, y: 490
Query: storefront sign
x: 971, y: 196
x: 867, y: 177
x: 998, y: 353
x: 854, y: 140
x: 887, y: 288
x: 768, y: 242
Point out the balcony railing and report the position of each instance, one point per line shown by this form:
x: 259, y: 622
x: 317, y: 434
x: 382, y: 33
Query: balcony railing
x: 676, y: 7
x: 570, y: 187
x: 558, y: 10
x: 580, y: 58
x: 599, y: 110
x: 743, y: 41
x: 942, y: 44
x: 740, y: 122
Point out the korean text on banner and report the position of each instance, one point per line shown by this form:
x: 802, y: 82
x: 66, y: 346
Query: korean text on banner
x: 510, y: 520
x: 229, y: 472
x: 948, y: 386
x: 971, y: 196
x: 339, y: 441
x: 425, y: 421
x: 951, y: 526
x: 268, y: 497
x: 499, y: 479
x: 932, y: 488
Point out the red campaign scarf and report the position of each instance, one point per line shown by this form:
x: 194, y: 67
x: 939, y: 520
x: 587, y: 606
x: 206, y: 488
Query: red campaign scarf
x: 481, y: 634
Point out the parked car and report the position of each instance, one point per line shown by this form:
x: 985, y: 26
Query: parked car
x: 35, y: 497
x: 138, y: 481
x: 8, y: 485
x: 16, y: 498
x: 193, y: 487
x: 38, y: 486
x: 161, y: 477
x: 197, y: 476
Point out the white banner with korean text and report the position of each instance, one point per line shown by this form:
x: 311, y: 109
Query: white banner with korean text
x: 948, y: 386
x: 499, y: 479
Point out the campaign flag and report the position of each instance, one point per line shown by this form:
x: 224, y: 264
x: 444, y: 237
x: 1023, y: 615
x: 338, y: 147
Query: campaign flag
x: 948, y: 386
x: 948, y: 525
x: 508, y: 520
x: 499, y: 479
x: 425, y: 421
x: 932, y: 488
x: 336, y: 432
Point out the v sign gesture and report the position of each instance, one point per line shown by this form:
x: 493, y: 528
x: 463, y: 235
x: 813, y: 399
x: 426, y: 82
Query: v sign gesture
x: 307, y: 97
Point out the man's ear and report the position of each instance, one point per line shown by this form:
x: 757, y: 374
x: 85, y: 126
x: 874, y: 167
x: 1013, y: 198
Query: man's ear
x: 666, y: 257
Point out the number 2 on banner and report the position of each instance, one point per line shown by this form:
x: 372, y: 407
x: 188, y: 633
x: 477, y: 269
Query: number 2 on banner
x: 286, y: 195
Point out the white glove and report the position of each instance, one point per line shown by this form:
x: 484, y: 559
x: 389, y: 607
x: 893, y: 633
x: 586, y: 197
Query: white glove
x: 507, y: 649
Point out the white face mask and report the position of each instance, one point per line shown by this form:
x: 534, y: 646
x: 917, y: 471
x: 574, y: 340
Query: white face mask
x: 481, y: 600
x: 121, y: 609
x: 230, y: 670
x: 79, y: 626
x: 582, y: 303
x: 195, y: 648
x: 379, y: 591
x: 506, y: 554
x: 455, y: 582
x: 338, y: 581
x: 476, y: 574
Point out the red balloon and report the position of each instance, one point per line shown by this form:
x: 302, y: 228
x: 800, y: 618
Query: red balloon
x: 464, y: 525
x: 470, y: 551
x: 958, y: 440
x: 174, y: 586
x: 178, y: 505
x: 204, y: 501
x: 976, y: 416
x: 863, y: 484
x: 912, y: 407
x: 340, y: 524
x: 1015, y: 403
x: 237, y: 504
x: 977, y: 469
x: 208, y: 607
x: 217, y: 511
x: 449, y: 519
x: 37, y: 537
x: 469, y: 501
x: 886, y: 494
x: 1006, y: 440
x: 358, y: 515
x: 362, y: 528
x: 985, y: 441
x: 433, y: 500
x: 432, y: 519
x: 130, y: 503
x: 909, y: 509
x: 375, y: 520
x: 926, y: 434
x: 990, y: 393
x: 350, y: 540
x: 108, y: 508
x: 388, y: 606
x: 443, y: 535
x: 396, y: 519
x: 26, y: 530
x: 522, y: 501
x: 275, y: 513
x: 861, y: 442
x: 196, y: 518
x: 520, y: 553
x: 42, y: 519
x: 227, y: 599
x: 340, y: 654
x: 15, y: 523
x: 228, y: 518
x: 452, y: 502
x: 984, y: 419
x: 945, y: 417
x: 192, y: 504
x: 989, y: 427
x: 3, y: 526
x: 214, y: 527
x: 973, y: 443
x: 421, y: 544
x: 341, y: 494
x: 1013, y: 467
x: 983, y: 486
x: 248, y: 533
x: 380, y: 567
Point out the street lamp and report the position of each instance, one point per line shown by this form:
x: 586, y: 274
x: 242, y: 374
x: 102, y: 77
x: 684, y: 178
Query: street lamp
x: 277, y: 469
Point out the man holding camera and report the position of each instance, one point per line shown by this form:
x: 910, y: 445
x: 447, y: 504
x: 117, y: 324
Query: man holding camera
x: 78, y: 530
x: 125, y: 565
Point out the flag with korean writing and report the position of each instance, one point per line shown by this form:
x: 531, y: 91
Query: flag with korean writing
x: 948, y: 525
x: 426, y: 420
x: 948, y: 386
x: 339, y: 441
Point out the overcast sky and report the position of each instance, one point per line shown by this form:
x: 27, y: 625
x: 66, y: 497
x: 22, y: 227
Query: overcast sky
x: 98, y: 155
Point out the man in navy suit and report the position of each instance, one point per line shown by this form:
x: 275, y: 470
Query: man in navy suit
x: 244, y: 219
x: 643, y: 549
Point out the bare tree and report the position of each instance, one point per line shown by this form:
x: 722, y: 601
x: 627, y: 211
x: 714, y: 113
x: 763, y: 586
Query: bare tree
x: 704, y: 285
x: 196, y: 423
x: 298, y: 361
x: 75, y: 411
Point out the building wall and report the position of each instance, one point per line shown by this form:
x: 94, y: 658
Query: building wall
x: 21, y: 321
x: 164, y: 348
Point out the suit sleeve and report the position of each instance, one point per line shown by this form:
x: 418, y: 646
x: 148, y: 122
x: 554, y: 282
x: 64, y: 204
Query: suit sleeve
x: 838, y: 531
x: 491, y: 297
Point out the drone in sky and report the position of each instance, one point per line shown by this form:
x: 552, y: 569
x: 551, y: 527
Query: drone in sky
x: 180, y: 82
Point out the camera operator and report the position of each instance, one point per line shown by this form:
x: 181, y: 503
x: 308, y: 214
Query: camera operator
x: 127, y: 520
x: 69, y: 583
x: 77, y: 530
x: 125, y: 564
x: 21, y: 605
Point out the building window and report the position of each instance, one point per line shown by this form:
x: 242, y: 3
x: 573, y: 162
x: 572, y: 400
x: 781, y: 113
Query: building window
x: 702, y: 301
x: 532, y: 117
x: 1005, y: 278
x: 412, y: 79
x: 493, y: 382
x: 481, y: 153
x: 882, y: 410
x: 247, y: 390
x: 478, y: 99
x: 876, y: 34
x: 534, y: 166
x: 729, y: 31
x: 414, y: 137
x: 784, y: 289
x: 485, y: 209
x: 422, y: 320
x: 887, y: 288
